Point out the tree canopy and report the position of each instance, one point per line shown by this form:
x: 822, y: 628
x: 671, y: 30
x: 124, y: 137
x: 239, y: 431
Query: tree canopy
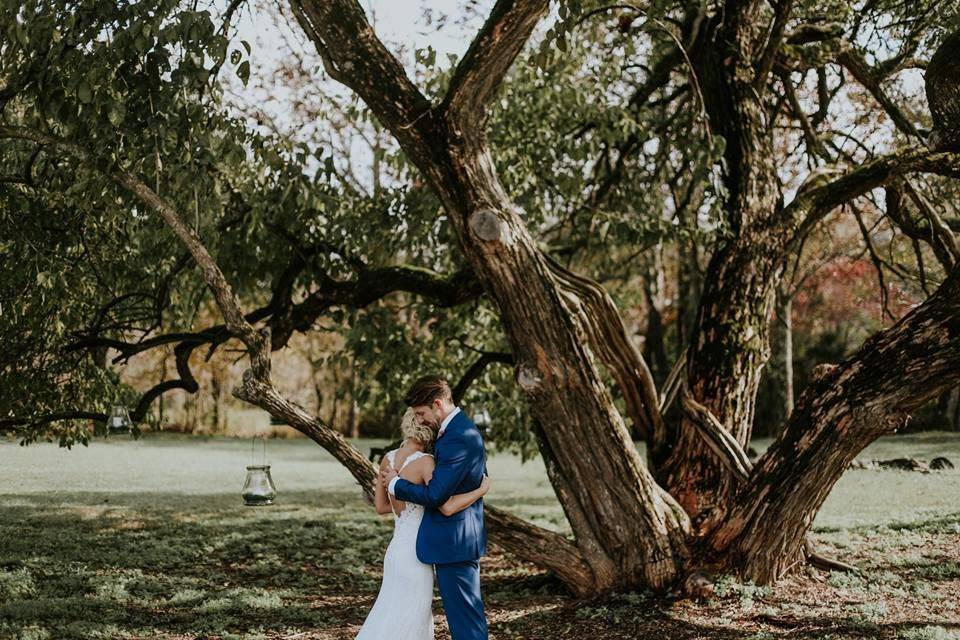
x: 600, y: 136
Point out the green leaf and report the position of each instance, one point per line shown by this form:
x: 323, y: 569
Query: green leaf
x: 243, y: 71
x: 218, y: 49
x: 84, y: 92
x: 116, y: 114
x: 21, y: 33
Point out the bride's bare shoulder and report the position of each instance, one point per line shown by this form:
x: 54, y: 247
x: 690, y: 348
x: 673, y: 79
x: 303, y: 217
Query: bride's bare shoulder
x: 388, y: 458
x: 424, y: 465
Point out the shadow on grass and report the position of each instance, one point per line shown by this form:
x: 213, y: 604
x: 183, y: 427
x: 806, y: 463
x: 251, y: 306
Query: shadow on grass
x: 628, y: 616
x: 107, y: 565
x: 173, y: 565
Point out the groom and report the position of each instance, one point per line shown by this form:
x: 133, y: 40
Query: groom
x: 453, y: 544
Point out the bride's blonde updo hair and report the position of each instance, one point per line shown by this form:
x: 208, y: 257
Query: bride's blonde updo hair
x: 413, y: 429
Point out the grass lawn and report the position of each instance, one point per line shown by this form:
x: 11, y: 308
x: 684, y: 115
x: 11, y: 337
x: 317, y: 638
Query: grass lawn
x: 150, y: 539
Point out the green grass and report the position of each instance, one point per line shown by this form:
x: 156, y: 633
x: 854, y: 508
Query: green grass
x: 864, y: 498
x: 150, y: 539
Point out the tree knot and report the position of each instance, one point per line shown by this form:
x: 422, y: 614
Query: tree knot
x: 487, y: 225
x: 528, y: 378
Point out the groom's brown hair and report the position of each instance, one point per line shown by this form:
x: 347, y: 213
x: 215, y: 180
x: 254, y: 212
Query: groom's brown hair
x: 426, y: 389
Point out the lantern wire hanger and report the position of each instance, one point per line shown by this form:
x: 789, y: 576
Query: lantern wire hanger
x: 253, y: 449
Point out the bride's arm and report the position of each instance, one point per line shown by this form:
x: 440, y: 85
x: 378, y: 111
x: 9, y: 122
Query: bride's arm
x: 380, y: 498
x: 456, y: 502
x: 461, y: 501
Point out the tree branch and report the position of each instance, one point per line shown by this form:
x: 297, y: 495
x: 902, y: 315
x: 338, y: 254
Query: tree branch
x: 810, y: 205
x: 720, y: 441
x: 471, y: 374
x: 845, y: 408
x: 9, y: 424
x: 875, y: 259
x: 600, y: 320
x: 354, y: 56
x: 186, y: 382
x: 870, y: 79
x: 540, y: 546
x: 774, y: 41
x: 373, y: 284
x: 814, y: 144
x: 492, y: 52
x: 941, y: 236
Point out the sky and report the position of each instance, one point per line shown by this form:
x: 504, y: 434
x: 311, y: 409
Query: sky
x: 407, y: 25
x: 404, y: 26
x: 411, y: 24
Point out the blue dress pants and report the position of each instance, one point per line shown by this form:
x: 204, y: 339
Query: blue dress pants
x: 459, y: 584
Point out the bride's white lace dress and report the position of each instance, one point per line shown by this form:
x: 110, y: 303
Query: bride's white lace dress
x: 403, y: 610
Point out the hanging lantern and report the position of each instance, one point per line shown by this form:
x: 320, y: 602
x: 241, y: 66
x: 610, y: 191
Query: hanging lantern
x: 258, y: 488
x: 482, y: 419
x: 119, y: 420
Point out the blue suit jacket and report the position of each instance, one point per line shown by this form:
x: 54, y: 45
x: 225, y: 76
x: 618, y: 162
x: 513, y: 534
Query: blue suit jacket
x: 461, y: 463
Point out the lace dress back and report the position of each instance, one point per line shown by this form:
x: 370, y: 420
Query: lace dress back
x: 409, y: 507
x: 403, y: 609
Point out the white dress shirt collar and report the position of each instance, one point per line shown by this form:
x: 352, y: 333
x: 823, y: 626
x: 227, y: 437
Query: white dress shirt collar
x: 447, y: 419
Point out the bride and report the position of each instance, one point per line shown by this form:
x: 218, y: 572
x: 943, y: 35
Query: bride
x: 403, y: 609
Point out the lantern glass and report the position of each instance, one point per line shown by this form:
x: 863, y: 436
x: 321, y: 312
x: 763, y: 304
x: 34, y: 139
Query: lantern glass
x: 482, y: 419
x: 258, y: 489
x: 119, y: 421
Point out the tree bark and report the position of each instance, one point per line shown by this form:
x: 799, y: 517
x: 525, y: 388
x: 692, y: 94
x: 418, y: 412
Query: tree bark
x: 730, y: 342
x: 654, y: 346
x: 787, y: 312
x: 729, y: 348
x: 942, y: 84
x: 689, y: 285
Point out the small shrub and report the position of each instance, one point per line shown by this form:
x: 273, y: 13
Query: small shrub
x: 846, y: 580
x: 747, y: 592
x: 929, y: 632
x: 16, y: 584
x: 873, y: 610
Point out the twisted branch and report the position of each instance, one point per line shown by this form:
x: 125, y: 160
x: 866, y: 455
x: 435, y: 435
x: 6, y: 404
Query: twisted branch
x: 607, y: 334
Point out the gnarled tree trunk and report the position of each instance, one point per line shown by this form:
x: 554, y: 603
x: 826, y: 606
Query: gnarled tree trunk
x: 730, y: 343
x: 630, y: 531
x: 846, y: 408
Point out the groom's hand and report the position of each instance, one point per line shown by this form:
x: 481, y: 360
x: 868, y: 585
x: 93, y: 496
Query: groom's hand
x: 386, y: 475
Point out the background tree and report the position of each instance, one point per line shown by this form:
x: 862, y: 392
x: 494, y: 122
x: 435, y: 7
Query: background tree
x: 629, y: 130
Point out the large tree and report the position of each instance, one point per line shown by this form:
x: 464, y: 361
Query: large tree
x: 117, y: 124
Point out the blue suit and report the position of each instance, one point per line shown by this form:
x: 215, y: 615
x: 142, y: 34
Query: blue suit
x: 454, y: 544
